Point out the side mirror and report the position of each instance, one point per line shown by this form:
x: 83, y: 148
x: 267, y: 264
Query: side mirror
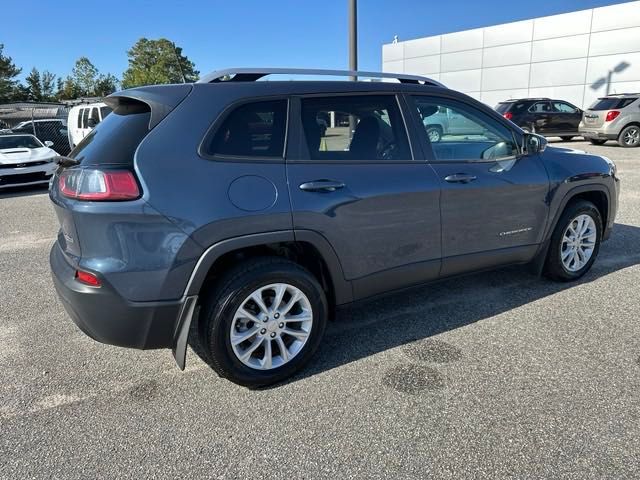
x: 532, y: 144
x: 91, y: 123
x: 48, y: 143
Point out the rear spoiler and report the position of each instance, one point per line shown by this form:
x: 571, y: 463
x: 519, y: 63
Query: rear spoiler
x: 159, y: 99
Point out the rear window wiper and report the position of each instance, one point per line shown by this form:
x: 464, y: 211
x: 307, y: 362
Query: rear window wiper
x: 66, y: 161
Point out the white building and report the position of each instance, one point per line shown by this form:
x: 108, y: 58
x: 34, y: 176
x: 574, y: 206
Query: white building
x: 575, y: 56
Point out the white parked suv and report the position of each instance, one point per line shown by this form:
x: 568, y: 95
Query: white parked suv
x: 83, y: 119
x: 614, y: 117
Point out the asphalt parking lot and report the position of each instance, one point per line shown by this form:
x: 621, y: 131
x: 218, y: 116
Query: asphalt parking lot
x: 495, y: 375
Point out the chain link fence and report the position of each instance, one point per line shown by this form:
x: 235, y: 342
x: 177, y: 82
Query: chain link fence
x: 48, y: 122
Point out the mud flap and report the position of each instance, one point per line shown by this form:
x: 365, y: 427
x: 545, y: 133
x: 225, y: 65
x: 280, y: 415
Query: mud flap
x: 182, y: 331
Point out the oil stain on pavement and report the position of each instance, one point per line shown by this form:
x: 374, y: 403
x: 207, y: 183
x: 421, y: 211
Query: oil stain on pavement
x: 413, y: 378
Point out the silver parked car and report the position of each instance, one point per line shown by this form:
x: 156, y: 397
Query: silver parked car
x: 614, y: 117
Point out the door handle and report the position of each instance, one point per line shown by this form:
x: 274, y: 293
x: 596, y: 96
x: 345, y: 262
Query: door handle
x: 321, y: 186
x: 460, y: 178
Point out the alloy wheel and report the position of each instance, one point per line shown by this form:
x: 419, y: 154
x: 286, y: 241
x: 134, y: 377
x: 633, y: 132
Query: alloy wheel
x: 631, y: 136
x: 271, y: 326
x: 578, y: 243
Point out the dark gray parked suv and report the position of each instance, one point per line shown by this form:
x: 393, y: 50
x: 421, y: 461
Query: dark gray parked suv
x: 227, y: 198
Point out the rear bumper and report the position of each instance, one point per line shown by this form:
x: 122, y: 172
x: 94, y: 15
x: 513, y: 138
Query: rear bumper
x: 597, y: 135
x: 105, y: 316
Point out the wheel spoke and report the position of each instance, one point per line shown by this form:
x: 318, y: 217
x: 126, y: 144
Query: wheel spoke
x: 243, y: 336
x: 257, y: 297
x: 284, y: 353
x: 243, y: 313
x: 566, y: 254
x: 299, y: 334
x: 247, y: 353
x: 280, y: 291
x: 292, y: 301
x: 267, y: 360
x: 299, y: 318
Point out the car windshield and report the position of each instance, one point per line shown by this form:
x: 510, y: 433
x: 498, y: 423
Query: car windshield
x: 19, y: 141
x: 608, y: 103
x: 503, y: 107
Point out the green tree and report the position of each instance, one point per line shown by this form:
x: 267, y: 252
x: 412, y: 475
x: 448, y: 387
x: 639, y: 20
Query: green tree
x: 59, y: 88
x: 105, y: 85
x: 70, y: 90
x: 8, y: 72
x: 33, y: 85
x: 84, y: 76
x: 47, y: 86
x: 153, y: 62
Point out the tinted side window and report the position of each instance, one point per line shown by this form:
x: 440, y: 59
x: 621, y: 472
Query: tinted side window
x: 563, y: 107
x: 104, y: 111
x: 378, y: 130
x: 80, y: 112
x: 94, y: 115
x: 85, y: 118
x: 459, y: 132
x: 251, y: 130
x: 540, y: 107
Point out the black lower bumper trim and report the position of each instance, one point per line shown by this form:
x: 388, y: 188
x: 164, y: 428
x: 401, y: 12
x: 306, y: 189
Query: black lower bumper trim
x: 105, y: 316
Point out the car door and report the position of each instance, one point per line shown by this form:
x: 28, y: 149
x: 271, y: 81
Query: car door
x: 542, y: 117
x: 493, y: 201
x: 363, y: 191
x: 566, y: 117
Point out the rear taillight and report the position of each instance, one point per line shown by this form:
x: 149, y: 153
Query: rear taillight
x: 98, y: 185
x: 508, y: 115
x: 611, y: 115
x: 88, y: 278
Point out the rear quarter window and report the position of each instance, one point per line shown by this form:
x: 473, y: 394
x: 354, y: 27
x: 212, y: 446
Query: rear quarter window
x: 116, y: 138
x: 251, y: 130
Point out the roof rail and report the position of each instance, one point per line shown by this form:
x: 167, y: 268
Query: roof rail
x: 253, y: 74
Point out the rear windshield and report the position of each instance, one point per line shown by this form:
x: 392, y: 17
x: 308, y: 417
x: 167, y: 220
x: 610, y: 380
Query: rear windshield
x: 114, y: 140
x: 611, y: 103
x: 513, y: 107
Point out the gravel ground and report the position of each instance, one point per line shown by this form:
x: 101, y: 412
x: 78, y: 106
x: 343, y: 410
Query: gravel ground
x: 495, y: 375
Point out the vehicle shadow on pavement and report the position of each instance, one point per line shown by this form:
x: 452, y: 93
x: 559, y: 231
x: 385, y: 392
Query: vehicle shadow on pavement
x: 381, y: 323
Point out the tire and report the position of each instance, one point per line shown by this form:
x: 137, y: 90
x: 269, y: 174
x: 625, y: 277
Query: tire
x: 567, y: 138
x: 220, y: 311
x: 630, y: 136
x: 434, y: 134
x: 555, y: 268
x: 595, y: 141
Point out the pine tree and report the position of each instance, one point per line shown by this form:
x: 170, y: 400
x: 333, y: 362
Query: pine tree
x: 33, y: 85
x: 8, y: 72
x: 47, y: 86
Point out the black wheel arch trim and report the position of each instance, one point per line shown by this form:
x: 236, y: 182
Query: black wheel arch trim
x: 342, y: 288
x: 540, y: 258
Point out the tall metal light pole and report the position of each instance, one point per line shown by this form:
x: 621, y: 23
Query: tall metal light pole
x: 353, y: 51
x: 353, y: 36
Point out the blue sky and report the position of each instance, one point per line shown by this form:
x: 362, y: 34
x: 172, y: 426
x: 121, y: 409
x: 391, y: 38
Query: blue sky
x: 232, y: 33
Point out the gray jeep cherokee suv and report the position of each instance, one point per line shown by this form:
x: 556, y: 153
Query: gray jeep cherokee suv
x: 227, y: 198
